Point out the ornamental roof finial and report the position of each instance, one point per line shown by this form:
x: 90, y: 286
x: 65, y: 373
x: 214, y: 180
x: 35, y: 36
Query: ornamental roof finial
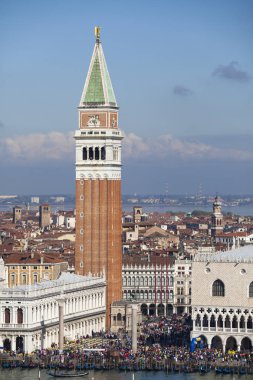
x: 97, y: 33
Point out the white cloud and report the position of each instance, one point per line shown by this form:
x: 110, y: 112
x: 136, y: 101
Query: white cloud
x: 166, y: 145
x: 38, y: 146
x: 57, y: 146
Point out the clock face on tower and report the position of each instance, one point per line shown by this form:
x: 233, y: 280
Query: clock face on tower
x: 93, y: 121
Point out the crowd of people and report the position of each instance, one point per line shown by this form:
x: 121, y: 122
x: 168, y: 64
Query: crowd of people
x: 161, y: 342
x: 173, y: 331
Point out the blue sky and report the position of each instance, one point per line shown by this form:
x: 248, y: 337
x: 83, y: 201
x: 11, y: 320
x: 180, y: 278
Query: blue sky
x: 182, y: 72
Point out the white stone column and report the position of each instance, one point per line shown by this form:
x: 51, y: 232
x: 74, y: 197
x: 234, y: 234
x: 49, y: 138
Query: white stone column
x: 14, y: 315
x: 134, y: 327
x: 13, y: 343
x: 27, y: 315
x: 61, y: 322
x: 25, y: 343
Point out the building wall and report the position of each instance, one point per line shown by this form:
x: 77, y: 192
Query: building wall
x: 182, y: 286
x: 26, y: 273
x: 98, y: 232
x: 235, y: 280
x: 121, y: 316
x: 222, y: 316
x: 84, y: 311
x: 150, y: 285
x: 163, y: 288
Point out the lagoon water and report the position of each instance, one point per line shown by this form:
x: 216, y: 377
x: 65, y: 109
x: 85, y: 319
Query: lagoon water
x: 19, y: 374
x: 237, y: 210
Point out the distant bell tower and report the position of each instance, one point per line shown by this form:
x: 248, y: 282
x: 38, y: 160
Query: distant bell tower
x: 44, y: 215
x: 217, y: 217
x: 16, y: 214
x: 98, y: 246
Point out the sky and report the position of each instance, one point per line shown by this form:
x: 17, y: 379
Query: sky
x: 182, y: 72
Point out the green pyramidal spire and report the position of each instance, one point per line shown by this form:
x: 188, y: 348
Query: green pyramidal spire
x: 98, y: 90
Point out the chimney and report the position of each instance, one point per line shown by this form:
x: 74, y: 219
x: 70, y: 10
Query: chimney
x: 41, y: 259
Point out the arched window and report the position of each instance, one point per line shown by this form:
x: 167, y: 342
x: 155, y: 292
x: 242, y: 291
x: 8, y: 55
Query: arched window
x: 84, y: 153
x: 227, y: 322
x: 7, y: 315
x: 96, y: 153
x: 251, y: 290
x: 91, y: 153
x: 220, y: 322
x: 197, y: 321
x: 212, y: 321
x: 249, y: 323
x: 119, y: 317
x: 13, y: 279
x: 234, y: 322
x: 103, y: 156
x: 218, y: 289
x: 242, y: 322
x: 205, y: 321
x: 19, y: 316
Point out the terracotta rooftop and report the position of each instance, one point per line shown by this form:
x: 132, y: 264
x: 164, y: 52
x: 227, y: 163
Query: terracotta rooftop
x: 26, y: 258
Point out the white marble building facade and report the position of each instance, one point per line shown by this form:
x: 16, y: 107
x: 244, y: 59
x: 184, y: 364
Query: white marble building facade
x: 150, y: 284
x: 222, y: 299
x: 29, y: 317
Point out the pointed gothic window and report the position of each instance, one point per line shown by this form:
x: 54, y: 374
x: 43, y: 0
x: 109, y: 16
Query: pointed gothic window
x: 218, y: 289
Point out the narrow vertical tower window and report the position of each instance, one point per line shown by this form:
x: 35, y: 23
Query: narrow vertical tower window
x: 98, y: 179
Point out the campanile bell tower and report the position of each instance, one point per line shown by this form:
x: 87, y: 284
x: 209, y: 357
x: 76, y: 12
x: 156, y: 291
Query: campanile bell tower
x: 98, y: 179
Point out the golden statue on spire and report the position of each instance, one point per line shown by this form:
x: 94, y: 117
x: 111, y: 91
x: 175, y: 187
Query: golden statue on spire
x: 97, y: 33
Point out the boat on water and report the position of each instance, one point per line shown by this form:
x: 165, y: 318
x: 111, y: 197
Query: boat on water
x: 67, y: 374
